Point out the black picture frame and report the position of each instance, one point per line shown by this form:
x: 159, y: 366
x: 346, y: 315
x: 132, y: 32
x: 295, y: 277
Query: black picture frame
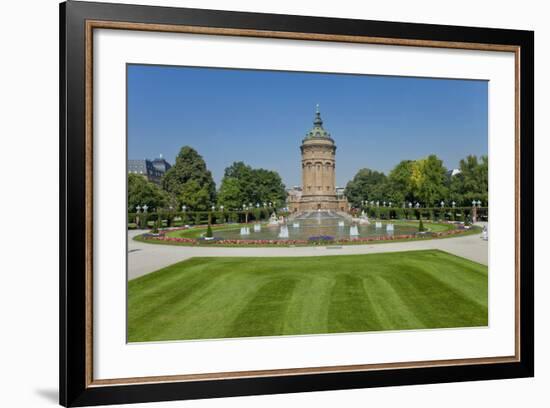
x: 75, y: 390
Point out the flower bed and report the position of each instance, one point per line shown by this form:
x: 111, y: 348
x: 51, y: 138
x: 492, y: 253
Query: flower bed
x: 314, y: 240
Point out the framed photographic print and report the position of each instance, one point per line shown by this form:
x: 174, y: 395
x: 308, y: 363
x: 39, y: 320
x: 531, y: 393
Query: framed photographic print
x: 256, y: 203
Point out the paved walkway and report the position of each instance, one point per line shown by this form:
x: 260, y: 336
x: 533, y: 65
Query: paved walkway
x: 145, y: 258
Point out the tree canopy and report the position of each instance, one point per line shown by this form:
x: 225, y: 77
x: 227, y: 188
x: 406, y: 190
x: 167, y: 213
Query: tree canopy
x: 367, y: 184
x: 242, y: 184
x: 428, y: 180
x: 142, y: 192
x: 472, y: 183
x: 190, y: 181
x: 425, y: 181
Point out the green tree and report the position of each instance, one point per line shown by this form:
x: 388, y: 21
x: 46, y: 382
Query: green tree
x: 189, y: 177
x: 472, y: 183
x: 368, y: 185
x: 230, y: 194
x: 142, y: 192
x: 421, y: 227
x: 269, y: 187
x: 429, y: 180
x: 209, y: 233
x: 195, y: 196
x: 242, y: 184
x: 400, y: 184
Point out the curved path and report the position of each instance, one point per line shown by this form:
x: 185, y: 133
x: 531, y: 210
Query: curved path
x: 145, y: 258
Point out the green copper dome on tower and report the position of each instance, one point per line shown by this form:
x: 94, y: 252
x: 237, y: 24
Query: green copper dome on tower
x: 318, y: 132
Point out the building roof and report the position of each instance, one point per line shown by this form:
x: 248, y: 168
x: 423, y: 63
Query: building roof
x: 318, y: 132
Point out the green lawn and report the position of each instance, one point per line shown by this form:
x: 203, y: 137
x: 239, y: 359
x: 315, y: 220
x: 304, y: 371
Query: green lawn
x: 205, y: 298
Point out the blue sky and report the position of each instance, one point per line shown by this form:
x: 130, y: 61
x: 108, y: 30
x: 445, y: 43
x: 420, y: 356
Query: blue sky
x: 261, y: 117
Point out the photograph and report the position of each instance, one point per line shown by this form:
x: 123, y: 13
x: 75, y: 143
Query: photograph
x: 256, y: 203
x: 291, y: 203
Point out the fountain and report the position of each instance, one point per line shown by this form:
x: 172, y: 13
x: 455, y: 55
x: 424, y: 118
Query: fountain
x: 257, y: 227
x: 273, y: 221
x: 283, y: 232
x: 315, y: 223
x: 364, y: 219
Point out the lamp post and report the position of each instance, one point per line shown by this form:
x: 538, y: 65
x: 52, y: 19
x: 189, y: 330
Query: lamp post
x: 145, y: 207
x: 138, y: 208
x: 453, y: 204
x: 410, y: 204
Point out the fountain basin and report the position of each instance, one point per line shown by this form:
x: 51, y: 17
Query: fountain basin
x: 321, y: 223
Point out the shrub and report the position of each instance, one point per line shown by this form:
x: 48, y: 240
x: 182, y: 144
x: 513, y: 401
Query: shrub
x: 209, y: 233
x: 421, y: 225
x: 143, y: 220
x: 398, y: 213
x: 156, y: 226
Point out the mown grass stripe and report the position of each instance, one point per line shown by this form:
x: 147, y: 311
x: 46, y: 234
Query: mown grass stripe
x: 204, y: 298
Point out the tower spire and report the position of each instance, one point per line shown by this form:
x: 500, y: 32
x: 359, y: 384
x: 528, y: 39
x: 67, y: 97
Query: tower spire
x: 318, y: 121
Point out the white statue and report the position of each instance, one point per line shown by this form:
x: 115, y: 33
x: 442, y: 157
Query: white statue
x: 273, y: 220
x: 364, y: 219
x: 283, y: 233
